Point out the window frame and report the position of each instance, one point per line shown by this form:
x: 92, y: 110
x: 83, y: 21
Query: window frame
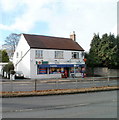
x: 39, y: 54
x: 59, y: 55
x: 75, y: 55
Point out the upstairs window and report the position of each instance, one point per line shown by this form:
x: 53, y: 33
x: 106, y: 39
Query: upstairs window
x: 59, y: 55
x: 17, y: 55
x: 82, y: 54
x: 75, y: 55
x: 38, y: 54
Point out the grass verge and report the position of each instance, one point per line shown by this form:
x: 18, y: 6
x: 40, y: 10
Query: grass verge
x: 56, y: 91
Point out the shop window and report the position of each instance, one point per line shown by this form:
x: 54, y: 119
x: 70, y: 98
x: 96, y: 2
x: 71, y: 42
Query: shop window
x: 59, y: 54
x: 42, y: 71
x: 56, y: 70
x: 76, y: 70
x: 38, y: 54
x: 75, y: 55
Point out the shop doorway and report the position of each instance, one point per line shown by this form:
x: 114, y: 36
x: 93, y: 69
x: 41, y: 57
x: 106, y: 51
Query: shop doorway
x: 67, y: 72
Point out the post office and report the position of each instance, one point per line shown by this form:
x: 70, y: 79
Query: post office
x: 40, y: 57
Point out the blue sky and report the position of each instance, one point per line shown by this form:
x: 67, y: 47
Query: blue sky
x: 58, y: 18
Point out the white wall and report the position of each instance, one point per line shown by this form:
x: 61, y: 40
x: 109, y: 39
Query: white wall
x: 22, y: 63
x: 48, y: 55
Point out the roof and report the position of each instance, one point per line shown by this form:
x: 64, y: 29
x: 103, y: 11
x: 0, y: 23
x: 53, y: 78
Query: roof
x: 48, y: 42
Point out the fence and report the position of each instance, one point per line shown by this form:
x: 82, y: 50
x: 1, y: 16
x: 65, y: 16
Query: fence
x: 74, y: 83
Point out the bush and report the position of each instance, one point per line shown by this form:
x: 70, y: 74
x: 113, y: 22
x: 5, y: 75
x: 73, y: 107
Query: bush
x: 8, y: 69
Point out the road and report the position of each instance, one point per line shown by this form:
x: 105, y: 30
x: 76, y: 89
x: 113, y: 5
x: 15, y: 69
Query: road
x: 30, y: 86
x: 88, y: 105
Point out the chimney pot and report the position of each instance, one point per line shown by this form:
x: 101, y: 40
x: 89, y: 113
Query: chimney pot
x: 73, y: 36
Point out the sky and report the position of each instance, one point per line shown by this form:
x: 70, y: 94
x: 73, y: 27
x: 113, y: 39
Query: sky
x: 59, y: 18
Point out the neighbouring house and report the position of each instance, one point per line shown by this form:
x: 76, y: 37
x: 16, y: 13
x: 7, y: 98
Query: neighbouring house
x: 1, y: 68
x: 40, y: 57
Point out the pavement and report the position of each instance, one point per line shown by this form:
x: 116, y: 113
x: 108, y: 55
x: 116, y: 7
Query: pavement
x: 67, y: 83
x: 63, y: 79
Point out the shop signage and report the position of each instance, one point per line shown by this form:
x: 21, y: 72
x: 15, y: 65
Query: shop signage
x: 60, y: 65
x: 53, y: 65
x: 44, y: 62
x: 38, y: 62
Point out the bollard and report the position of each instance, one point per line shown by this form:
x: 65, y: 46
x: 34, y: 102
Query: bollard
x: 93, y: 81
x: 76, y: 83
x: 35, y: 84
x: 11, y: 84
x: 108, y: 78
x: 108, y: 81
x: 13, y: 77
x: 56, y: 84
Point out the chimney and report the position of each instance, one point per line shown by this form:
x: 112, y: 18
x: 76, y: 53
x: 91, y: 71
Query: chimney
x: 73, y: 36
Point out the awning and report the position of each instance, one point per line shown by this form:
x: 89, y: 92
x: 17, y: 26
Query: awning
x: 60, y: 65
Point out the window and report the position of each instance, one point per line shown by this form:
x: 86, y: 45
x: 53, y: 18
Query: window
x: 17, y: 54
x: 39, y: 54
x: 41, y: 70
x: 21, y: 54
x: 56, y: 70
x: 82, y: 54
x: 75, y: 55
x: 59, y: 54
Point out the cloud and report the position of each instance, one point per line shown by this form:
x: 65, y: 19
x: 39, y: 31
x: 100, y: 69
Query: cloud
x: 63, y: 16
x: 9, y: 5
x: 35, y: 11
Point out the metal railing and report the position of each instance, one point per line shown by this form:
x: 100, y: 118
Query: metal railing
x: 69, y: 83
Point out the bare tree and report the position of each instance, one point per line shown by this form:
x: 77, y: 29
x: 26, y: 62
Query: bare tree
x: 12, y: 41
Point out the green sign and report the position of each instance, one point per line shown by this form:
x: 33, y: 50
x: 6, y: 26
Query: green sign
x: 44, y: 62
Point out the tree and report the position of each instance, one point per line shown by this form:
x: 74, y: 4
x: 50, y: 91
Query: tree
x: 108, y: 51
x: 104, y: 51
x: 12, y: 40
x: 92, y: 56
x: 4, y: 56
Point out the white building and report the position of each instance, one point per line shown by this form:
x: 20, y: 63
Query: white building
x: 48, y: 57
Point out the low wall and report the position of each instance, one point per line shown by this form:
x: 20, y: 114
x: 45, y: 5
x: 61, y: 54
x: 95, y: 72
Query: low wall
x: 102, y: 71
x: 113, y: 72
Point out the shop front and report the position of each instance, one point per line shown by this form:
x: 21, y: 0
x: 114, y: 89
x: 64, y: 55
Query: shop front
x: 65, y: 70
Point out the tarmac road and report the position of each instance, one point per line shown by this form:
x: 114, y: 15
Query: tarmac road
x: 88, y: 105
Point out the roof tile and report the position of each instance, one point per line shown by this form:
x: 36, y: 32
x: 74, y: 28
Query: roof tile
x: 48, y: 42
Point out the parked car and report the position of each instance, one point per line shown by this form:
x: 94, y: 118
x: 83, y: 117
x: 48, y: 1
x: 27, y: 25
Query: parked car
x: 19, y: 74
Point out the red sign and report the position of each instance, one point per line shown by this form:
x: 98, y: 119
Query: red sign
x: 84, y: 59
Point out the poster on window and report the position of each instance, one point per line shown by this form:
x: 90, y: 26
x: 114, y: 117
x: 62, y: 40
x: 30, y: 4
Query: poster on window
x: 42, y: 71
